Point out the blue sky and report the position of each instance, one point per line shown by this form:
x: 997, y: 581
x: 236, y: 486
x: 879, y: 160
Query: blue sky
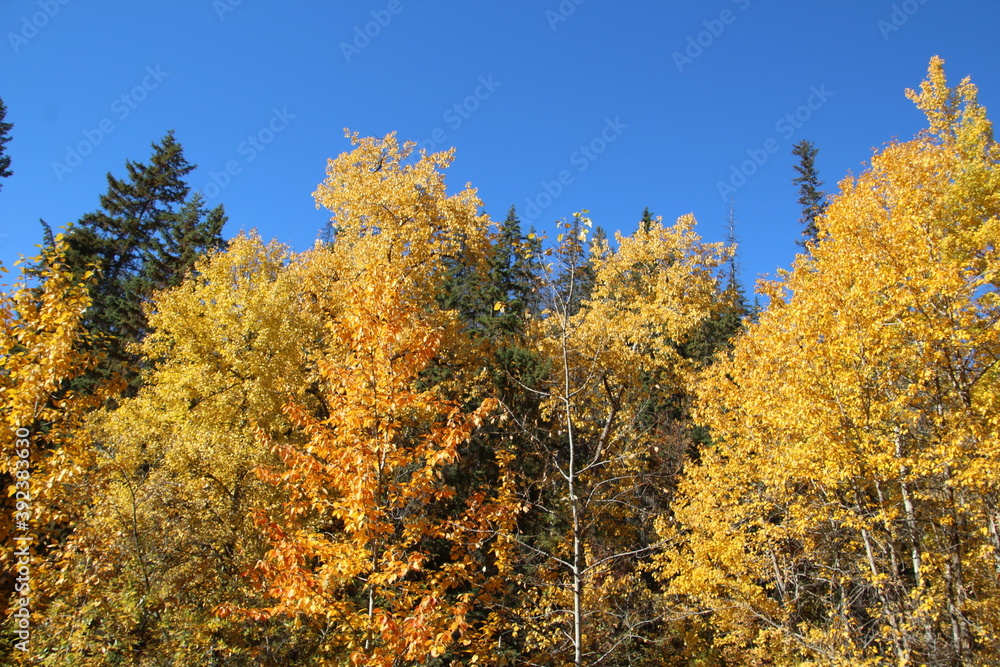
x: 553, y: 106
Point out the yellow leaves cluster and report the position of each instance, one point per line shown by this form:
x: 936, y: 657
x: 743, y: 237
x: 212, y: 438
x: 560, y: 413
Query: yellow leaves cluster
x: 174, y: 465
x: 40, y: 334
x: 42, y: 347
x: 374, y: 541
x: 652, y: 293
x: 607, y: 366
x: 392, y: 210
x: 857, y: 452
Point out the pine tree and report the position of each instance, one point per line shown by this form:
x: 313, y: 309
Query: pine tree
x: 145, y: 237
x: 4, y: 138
x: 646, y: 223
x: 494, y: 303
x: 514, y: 274
x: 327, y: 233
x: 810, y: 196
x: 732, y: 278
x: 716, y: 332
x: 574, y: 279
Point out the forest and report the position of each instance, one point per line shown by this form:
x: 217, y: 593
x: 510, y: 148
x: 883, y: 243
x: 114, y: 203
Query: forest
x: 435, y: 438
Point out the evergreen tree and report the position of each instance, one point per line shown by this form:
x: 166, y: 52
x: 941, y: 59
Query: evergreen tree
x: 732, y: 277
x: 495, y: 302
x: 574, y: 278
x: 514, y: 273
x: 646, y: 223
x: 810, y: 196
x: 328, y: 233
x: 717, y: 331
x: 4, y: 138
x: 145, y: 237
x: 598, y: 240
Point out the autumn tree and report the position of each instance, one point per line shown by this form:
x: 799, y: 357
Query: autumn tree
x: 848, y: 512
x: 375, y: 547
x: 598, y: 491
x: 173, y: 532
x: 42, y: 343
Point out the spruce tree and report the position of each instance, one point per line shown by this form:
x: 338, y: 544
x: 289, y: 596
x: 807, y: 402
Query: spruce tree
x: 513, y: 274
x: 716, y: 333
x: 493, y: 303
x: 574, y: 279
x: 647, y: 220
x: 144, y: 238
x: 4, y: 138
x: 810, y: 196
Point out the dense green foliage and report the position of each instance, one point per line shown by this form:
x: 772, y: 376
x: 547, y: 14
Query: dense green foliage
x: 145, y: 238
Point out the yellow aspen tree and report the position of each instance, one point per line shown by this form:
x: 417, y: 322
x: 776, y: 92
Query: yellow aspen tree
x: 599, y: 490
x: 169, y: 531
x: 847, y: 513
x: 41, y: 349
x: 374, y: 545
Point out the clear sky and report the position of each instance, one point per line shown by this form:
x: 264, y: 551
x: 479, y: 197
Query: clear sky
x: 553, y: 106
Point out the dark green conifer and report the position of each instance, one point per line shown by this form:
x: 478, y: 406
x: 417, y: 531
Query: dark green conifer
x: 810, y: 196
x: 145, y: 237
x: 574, y: 280
x: 4, y: 138
x: 494, y: 303
x: 647, y: 220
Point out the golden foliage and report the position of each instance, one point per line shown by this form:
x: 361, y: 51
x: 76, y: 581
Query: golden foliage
x: 848, y: 513
x: 604, y: 474
x: 42, y: 348
x: 173, y: 530
x: 373, y: 546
